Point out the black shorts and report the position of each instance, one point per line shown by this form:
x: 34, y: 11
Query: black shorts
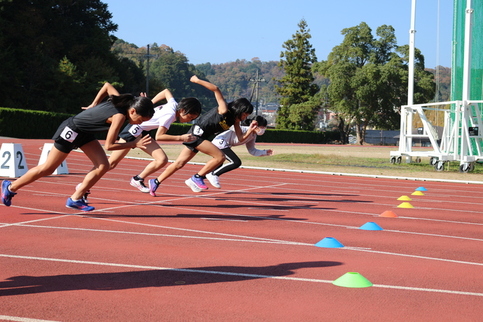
x: 131, y: 132
x: 193, y: 144
x: 200, y: 137
x: 68, y: 137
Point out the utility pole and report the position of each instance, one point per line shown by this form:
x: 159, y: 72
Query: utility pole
x: 147, y: 69
x: 257, y: 80
x: 141, y: 58
x: 147, y: 72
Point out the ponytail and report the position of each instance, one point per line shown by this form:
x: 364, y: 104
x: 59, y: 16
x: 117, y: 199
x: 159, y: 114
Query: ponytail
x: 142, y: 105
x: 190, y: 105
x: 260, y: 120
x: 122, y: 101
x: 240, y: 106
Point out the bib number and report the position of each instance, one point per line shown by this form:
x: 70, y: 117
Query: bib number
x: 68, y: 134
x: 198, y: 131
x: 135, y: 130
x: 220, y: 143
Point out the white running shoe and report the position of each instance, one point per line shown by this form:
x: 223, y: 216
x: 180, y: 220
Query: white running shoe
x: 196, y: 184
x: 214, y: 180
x: 139, y: 184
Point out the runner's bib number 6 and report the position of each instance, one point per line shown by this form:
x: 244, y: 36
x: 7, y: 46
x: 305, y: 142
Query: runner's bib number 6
x: 68, y: 134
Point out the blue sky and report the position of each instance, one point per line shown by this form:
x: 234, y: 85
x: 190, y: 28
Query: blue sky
x: 223, y: 31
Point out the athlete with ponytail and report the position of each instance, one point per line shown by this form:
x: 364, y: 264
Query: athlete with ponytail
x: 79, y: 132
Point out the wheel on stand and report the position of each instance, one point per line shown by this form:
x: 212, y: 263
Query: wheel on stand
x: 472, y: 166
x: 439, y: 166
x: 417, y: 160
x: 467, y: 167
x: 398, y: 160
x: 392, y: 160
x: 433, y: 161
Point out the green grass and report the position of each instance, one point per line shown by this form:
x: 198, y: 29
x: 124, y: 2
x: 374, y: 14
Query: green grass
x: 367, y: 160
x: 320, y: 161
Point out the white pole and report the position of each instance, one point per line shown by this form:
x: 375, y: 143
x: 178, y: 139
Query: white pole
x: 467, y: 52
x: 466, y: 81
x: 412, y: 36
x: 406, y: 141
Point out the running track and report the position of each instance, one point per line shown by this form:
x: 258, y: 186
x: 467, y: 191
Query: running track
x: 245, y: 252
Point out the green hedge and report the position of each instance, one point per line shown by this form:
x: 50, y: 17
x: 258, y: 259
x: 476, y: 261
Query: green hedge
x: 29, y: 124
x: 278, y: 136
x: 286, y: 136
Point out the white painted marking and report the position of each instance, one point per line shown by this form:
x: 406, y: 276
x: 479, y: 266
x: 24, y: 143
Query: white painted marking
x: 248, y: 239
x: 223, y: 219
x: 20, y: 319
x: 254, y: 276
x: 413, y: 256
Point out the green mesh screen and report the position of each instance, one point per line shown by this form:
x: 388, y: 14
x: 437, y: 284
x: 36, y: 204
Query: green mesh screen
x: 476, y: 65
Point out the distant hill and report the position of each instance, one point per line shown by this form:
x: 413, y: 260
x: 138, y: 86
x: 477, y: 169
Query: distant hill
x: 239, y: 78
x: 442, y: 78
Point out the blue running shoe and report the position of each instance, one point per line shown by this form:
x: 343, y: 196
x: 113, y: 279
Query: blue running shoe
x: 152, y: 187
x: 86, y: 194
x: 196, y: 184
x: 7, y: 195
x: 79, y: 205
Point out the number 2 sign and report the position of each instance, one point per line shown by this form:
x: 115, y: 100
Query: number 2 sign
x: 12, y: 160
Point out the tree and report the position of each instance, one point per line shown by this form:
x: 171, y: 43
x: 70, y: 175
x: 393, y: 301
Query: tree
x: 172, y: 70
x: 443, y: 83
x: 368, y: 79
x: 233, y: 78
x: 297, y: 105
x: 41, y: 38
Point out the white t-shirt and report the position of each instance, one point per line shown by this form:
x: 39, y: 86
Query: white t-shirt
x: 228, y: 139
x: 163, y: 116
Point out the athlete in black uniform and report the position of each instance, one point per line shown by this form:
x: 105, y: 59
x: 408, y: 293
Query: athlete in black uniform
x: 78, y: 132
x: 217, y: 120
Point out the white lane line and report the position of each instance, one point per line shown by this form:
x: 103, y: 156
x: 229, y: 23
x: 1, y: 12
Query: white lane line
x: 254, y: 276
x: 223, y: 219
x: 253, y: 205
x: 21, y: 319
x: 360, y: 249
x: 249, y: 239
x: 21, y: 223
x: 227, y: 237
x: 282, y: 219
x: 84, y: 214
x: 279, y: 207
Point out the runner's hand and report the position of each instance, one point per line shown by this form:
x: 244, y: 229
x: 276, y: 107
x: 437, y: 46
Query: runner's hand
x: 145, y: 140
x: 188, y: 137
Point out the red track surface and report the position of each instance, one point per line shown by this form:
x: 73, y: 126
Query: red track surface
x: 242, y: 253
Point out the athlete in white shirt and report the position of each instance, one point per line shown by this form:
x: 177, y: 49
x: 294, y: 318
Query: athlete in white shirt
x: 213, y: 122
x: 187, y: 110
x: 224, y: 141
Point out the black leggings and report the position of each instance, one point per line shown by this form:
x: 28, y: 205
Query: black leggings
x: 234, y: 162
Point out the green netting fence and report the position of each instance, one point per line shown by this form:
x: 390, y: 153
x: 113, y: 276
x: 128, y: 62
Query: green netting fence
x: 476, y: 64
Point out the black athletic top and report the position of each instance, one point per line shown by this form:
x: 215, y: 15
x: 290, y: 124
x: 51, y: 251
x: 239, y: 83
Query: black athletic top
x: 213, y: 123
x: 94, y: 119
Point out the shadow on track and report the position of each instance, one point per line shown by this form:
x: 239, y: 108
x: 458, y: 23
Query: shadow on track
x: 19, y: 285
